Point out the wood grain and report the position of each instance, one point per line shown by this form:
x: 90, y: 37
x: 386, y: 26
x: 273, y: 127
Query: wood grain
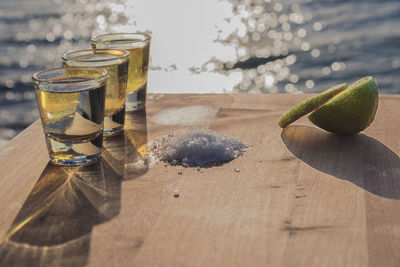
x: 302, y: 197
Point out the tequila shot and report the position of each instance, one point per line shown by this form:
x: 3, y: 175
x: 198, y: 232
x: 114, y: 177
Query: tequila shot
x: 138, y: 46
x: 116, y: 63
x: 71, y: 106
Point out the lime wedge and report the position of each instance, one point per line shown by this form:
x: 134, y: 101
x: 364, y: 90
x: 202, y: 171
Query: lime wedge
x: 310, y: 105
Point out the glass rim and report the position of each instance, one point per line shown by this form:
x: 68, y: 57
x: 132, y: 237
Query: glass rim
x: 97, y: 38
x: 124, y: 55
x: 101, y: 71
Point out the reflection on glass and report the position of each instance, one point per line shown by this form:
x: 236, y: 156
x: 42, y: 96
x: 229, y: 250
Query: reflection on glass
x: 57, y: 218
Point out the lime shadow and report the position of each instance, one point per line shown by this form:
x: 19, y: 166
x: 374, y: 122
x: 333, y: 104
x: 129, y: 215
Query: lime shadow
x: 359, y: 159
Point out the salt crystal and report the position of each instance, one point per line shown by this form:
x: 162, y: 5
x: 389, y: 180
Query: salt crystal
x: 176, y: 193
x: 198, y: 148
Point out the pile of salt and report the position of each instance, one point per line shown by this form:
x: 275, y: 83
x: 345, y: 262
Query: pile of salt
x: 198, y: 148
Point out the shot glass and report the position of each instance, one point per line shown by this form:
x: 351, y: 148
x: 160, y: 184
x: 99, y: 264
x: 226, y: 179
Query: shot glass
x: 71, y: 106
x: 116, y: 63
x: 138, y: 45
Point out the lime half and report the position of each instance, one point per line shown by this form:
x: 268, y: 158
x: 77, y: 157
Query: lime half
x: 350, y: 111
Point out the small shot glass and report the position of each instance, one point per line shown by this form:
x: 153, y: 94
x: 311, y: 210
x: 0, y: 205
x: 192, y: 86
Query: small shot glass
x: 138, y: 46
x: 71, y: 106
x: 116, y: 63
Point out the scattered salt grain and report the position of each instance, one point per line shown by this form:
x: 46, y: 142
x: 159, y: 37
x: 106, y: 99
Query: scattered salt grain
x: 237, y: 170
x: 180, y: 172
x: 176, y: 193
x: 198, y: 148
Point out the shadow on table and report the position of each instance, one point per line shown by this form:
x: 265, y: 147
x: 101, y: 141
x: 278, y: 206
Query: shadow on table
x: 53, y: 227
x: 359, y: 159
x: 54, y: 224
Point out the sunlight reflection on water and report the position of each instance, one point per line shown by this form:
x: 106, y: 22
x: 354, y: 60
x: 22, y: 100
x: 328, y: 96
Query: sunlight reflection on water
x: 198, y: 46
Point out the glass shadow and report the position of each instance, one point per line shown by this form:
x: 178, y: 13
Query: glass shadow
x: 359, y: 159
x: 126, y: 152
x: 54, y: 224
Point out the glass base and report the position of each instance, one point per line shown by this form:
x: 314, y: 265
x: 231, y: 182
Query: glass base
x: 136, y: 100
x: 113, y: 131
x: 114, y: 124
x: 75, y: 152
x: 75, y: 161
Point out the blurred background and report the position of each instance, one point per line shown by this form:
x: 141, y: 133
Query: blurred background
x: 205, y: 46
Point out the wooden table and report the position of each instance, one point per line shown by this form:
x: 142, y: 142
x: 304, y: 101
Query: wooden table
x: 302, y: 197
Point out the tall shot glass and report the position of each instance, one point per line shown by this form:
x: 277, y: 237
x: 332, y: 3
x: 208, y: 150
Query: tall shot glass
x: 138, y: 45
x: 116, y: 63
x: 71, y: 106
